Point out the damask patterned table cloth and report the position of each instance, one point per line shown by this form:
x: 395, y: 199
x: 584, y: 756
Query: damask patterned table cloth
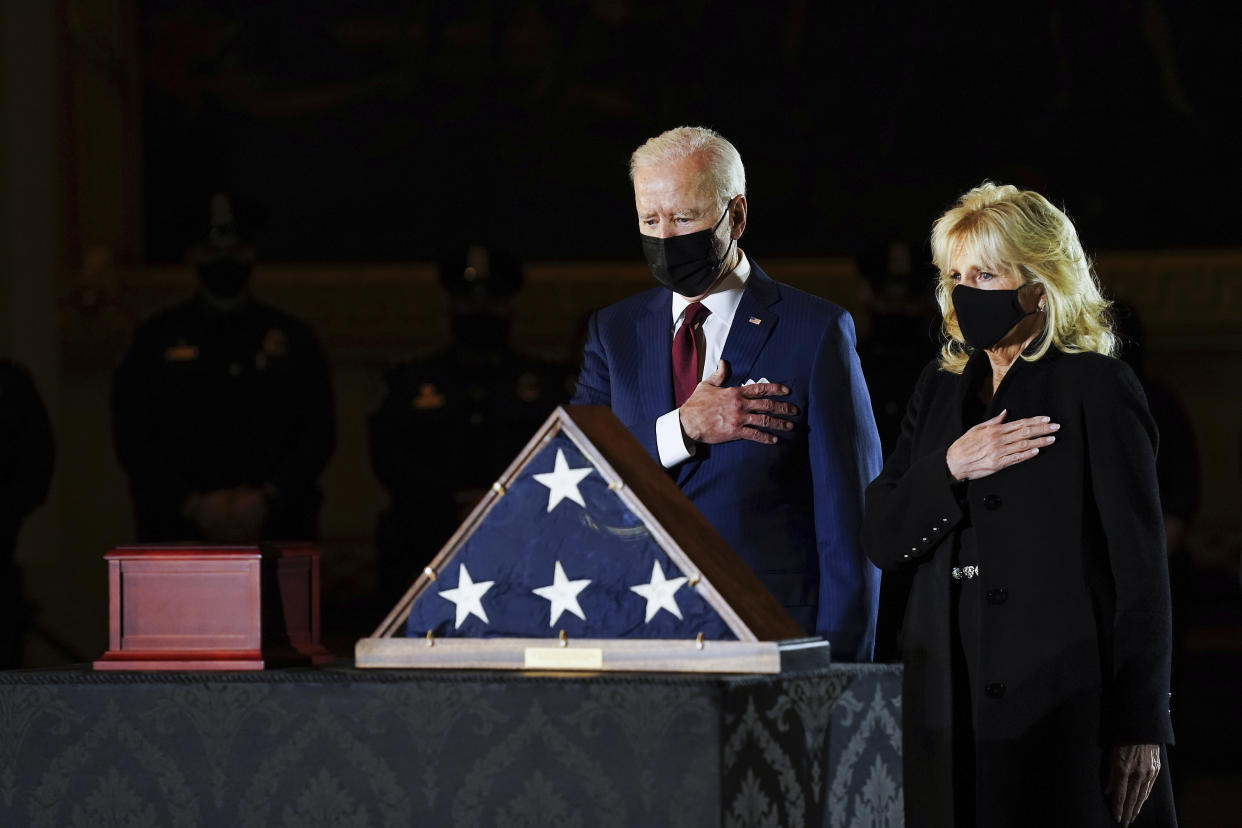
x: 342, y: 747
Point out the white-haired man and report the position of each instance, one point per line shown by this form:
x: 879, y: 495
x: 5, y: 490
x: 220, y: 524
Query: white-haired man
x: 749, y: 391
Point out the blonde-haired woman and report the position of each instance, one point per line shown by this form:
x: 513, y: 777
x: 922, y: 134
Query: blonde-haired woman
x: 1023, y: 489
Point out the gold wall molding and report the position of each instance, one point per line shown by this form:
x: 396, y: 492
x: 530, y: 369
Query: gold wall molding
x: 1195, y: 293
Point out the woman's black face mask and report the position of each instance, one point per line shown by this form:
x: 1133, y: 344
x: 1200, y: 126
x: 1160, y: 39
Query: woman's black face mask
x: 985, y: 316
x: 686, y: 264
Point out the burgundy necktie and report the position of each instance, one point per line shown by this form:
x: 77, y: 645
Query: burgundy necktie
x: 686, y: 362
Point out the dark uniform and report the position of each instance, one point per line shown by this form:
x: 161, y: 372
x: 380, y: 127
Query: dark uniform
x: 207, y: 400
x: 451, y: 423
x: 902, y: 337
x: 26, y: 453
x: 1178, y: 472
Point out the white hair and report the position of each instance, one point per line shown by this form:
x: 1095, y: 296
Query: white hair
x: 725, y: 175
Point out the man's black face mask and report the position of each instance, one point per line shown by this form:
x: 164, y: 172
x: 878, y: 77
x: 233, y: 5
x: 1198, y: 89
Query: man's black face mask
x: 481, y: 331
x: 686, y: 264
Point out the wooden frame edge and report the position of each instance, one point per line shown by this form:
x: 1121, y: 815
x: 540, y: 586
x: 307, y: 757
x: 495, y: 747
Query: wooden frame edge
x: 615, y: 655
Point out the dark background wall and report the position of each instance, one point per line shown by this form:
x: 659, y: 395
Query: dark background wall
x: 374, y: 130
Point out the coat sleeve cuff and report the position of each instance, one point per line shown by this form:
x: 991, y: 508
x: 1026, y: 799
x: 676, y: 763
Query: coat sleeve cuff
x: 919, y: 515
x: 670, y: 441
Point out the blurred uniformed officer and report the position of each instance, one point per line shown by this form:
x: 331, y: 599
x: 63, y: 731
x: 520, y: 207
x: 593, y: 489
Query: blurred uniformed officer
x: 901, y: 339
x: 452, y: 422
x: 223, y: 406
x: 26, y: 452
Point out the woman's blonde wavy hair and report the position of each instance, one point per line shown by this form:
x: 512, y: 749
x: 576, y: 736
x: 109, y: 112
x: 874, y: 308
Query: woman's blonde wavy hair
x: 1019, y: 231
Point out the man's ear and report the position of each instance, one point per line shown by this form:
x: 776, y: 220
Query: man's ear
x: 737, y: 217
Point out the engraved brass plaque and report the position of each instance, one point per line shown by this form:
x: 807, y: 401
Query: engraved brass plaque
x: 564, y: 658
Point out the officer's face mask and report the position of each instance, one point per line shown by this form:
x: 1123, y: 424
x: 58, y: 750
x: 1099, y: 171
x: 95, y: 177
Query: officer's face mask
x: 224, y: 277
x: 985, y: 316
x: 481, y: 330
x: 686, y: 264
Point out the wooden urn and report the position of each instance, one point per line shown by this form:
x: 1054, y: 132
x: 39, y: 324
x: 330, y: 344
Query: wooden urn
x: 188, y: 607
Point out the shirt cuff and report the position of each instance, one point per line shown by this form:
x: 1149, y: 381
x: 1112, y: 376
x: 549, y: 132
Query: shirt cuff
x: 670, y: 441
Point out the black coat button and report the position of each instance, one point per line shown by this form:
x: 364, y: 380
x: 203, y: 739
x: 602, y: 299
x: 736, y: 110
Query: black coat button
x: 997, y: 596
x: 995, y: 690
x: 992, y: 502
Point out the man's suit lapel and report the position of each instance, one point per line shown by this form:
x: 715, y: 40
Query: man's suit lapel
x: 753, y: 324
x: 654, y: 330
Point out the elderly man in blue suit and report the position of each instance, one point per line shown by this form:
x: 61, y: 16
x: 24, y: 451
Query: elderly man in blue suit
x: 749, y: 391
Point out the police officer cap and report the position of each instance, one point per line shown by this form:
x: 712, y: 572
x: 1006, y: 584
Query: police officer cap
x: 480, y: 270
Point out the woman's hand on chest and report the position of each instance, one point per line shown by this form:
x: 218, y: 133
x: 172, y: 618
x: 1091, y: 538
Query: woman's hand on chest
x: 994, y: 444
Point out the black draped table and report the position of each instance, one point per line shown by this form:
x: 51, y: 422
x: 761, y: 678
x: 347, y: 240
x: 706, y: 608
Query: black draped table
x: 344, y: 747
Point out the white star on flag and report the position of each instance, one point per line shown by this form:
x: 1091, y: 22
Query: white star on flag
x: 563, y: 593
x: 467, y: 596
x: 659, y: 593
x: 563, y: 482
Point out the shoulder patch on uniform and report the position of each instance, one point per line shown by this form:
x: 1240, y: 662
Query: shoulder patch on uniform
x: 181, y: 352
x: 428, y: 397
x: 276, y: 343
x: 529, y: 387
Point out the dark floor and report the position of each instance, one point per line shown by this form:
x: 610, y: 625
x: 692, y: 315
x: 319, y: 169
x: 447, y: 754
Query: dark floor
x: 1207, y: 761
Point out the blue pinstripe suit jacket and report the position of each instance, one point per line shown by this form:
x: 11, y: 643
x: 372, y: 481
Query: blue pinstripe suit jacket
x: 791, y: 511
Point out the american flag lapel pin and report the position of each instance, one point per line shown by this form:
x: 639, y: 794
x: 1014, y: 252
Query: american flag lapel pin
x: 754, y: 320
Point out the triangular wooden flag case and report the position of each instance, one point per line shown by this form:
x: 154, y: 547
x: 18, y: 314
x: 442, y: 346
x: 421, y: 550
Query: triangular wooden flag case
x: 586, y: 556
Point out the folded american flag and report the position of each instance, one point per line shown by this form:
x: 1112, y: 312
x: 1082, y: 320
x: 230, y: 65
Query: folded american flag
x: 561, y: 551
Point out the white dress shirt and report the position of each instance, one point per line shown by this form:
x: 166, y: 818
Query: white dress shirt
x: 671, y: 442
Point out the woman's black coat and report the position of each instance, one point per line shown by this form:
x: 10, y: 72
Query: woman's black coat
x: 1074, y: 641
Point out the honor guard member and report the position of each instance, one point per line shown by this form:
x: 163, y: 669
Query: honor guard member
x: 902, y: 337
x: 451, y: 423
x: 223, y: 406
x: 26, y: 452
